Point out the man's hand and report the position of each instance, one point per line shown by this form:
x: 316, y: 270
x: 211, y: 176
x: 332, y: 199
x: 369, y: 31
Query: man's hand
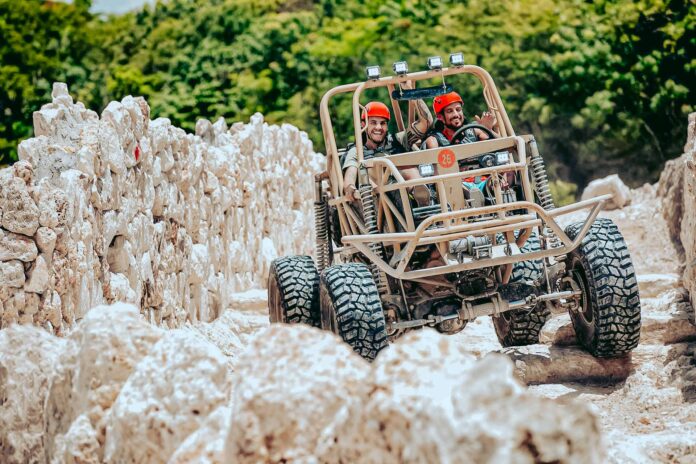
x: 487, y: 119
x: 351, y: 191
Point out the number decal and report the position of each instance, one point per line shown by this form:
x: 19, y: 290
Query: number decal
x: 445, y: 158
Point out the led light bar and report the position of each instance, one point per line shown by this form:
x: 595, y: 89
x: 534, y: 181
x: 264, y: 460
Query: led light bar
x: 457, y: 59
x: 400, y: 68
x: 435, y: 62
x: 373, y: 72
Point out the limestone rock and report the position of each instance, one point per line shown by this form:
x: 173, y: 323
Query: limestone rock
x: 670, y: 188
x: 120, y: 288
x: 688, y: 225
x: 168, y: 396
x: 27, y: 362
x: 15, y: 246
x: 610, y: 184
x: 199, y: 263
x: 19, y: 212
x: 11, y: 274
x: 45, y: 240
x: 79, y: 445
x: 104, y: 350
x: 23, y: 170
x: 284, y: 409
x: 430, y: 401
x: 53, y: 206
x: 207, y: 444
x: 38, y: 279
x: 537, y: 364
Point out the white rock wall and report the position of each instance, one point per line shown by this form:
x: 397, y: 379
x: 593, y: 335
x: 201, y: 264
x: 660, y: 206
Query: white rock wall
x: 122, y: 208
x: 677, y: 187
x: 688, y: 224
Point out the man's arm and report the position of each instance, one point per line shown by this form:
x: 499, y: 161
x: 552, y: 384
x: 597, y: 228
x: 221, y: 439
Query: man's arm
x: 416, y: 132
x: 349, y: 178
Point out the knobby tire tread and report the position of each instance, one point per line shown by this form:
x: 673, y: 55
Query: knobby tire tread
x: 613, y: 289
x: 523, y: 326
x: 298, y: 282
x: 350, y: 295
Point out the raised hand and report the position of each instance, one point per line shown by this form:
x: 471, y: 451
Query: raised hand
x: 487, y: 119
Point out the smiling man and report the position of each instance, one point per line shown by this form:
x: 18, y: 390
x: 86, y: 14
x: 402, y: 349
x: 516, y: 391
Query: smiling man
x: 449, y: 111
x: 377, y: 141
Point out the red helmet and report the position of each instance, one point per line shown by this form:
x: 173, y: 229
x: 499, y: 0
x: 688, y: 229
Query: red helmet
x: 443, y: 101
x: 377, y: 110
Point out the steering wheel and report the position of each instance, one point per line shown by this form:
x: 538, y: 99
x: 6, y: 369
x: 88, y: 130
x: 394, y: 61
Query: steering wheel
x: 458, y: 136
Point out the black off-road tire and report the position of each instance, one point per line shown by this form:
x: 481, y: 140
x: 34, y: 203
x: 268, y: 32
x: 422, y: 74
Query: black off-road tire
x: 351, y: 308
x: 293, y: 291
x: 608, y: 321
x: 523, y: 326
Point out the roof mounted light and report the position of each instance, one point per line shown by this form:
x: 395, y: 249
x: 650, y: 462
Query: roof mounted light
x: 400, y: 68
x: 373, y: 72
x: 457, y: 59
x: 435, y: 62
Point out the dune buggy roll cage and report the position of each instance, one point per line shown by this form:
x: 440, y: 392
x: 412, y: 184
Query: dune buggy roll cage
x: 456, y: 219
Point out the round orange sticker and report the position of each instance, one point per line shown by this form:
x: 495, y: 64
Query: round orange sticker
x: 445, y: 158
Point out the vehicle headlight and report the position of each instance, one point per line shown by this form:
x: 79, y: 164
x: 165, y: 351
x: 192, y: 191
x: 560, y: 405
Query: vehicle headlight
x: 373, y: 72
x: 426, y: 170
x: 435, y: 62
x: 457, y: 59
x: 502, y: 157
x: 400, y: 68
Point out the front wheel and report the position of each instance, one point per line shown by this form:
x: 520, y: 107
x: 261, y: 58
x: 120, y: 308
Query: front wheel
x: 350, y: 307
x: 607, y: 318
x: 293, y: 284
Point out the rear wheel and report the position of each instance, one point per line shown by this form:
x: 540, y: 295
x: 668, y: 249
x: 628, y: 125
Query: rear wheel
x: 293, y: 290
x: 351, y: 308
x: 607, y: 320
x: 523, y: 326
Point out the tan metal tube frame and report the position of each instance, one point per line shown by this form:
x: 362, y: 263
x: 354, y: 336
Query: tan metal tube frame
x: 423, y: 236
x: 453, y: 223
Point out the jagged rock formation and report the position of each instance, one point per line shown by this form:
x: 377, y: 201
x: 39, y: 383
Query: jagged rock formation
x: 28, y: 358
x: 121, y: 208
x: 677, y: 187
x: 121, y: 390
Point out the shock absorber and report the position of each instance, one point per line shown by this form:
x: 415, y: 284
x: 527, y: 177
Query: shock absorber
x: 541, y: 187
x: 370, y: 217
x: 321, y: 225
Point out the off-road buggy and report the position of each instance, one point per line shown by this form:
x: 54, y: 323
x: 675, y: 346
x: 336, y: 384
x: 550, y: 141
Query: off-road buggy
x: 498, y: 251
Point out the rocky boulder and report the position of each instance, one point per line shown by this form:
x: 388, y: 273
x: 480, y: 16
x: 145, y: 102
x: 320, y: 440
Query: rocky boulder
x: 102, y: 353
x: 28, y: 360
x: 431, y: 401
x: 611, y: 184
x: 294, y: 387
x: 168, y: 396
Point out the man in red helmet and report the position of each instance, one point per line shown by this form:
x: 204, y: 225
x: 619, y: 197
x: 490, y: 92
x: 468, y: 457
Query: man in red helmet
x: 450, y: 117
x: 377, y: 141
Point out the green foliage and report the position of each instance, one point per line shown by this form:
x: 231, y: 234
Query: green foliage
x: 563, y: 193
x: 603, y: 85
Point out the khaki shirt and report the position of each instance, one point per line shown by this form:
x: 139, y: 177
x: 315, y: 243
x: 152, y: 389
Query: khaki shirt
x: 386, y: 150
